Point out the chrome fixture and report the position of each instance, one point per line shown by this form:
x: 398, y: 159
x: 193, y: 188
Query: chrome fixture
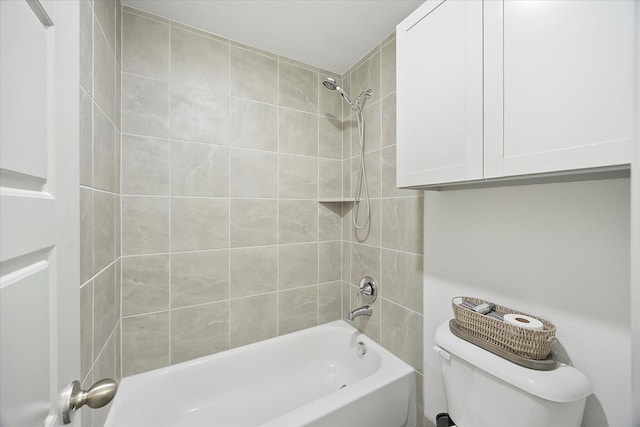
x: 367, y: 293
x: 356, y: 105
x: 361, y: 348
x: 73, y: 398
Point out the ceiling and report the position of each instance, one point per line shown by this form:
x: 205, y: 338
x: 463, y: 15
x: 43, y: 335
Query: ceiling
x: 329, y: 34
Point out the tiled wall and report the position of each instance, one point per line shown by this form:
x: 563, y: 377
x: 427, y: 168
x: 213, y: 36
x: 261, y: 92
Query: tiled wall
x: 225, y: 152
x: 390, y: 249
x: 99, y: 195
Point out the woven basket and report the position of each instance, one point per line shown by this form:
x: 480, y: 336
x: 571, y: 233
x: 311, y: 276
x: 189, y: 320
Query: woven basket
x: 527, y: 343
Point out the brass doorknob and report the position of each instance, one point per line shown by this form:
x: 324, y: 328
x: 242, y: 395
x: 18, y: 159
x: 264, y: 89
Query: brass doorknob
x: 73, y: 398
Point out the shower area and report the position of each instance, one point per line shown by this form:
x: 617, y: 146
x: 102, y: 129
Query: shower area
x: 230, y: 203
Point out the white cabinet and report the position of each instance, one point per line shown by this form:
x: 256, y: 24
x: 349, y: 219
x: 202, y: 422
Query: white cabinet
x: 514, y: 88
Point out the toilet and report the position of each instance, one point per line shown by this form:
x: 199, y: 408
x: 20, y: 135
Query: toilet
x: 482, y: 389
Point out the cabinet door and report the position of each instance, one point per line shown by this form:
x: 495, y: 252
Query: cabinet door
x: 559, y: 84
x: 439, y: 94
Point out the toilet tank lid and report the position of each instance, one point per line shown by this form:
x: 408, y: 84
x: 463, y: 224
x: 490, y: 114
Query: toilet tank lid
x: 563, y: 384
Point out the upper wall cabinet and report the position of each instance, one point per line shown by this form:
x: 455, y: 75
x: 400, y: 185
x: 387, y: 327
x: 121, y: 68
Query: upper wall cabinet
x: 513, y: 88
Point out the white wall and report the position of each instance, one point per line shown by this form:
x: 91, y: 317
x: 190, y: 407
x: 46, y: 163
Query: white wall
x: 560, y: 251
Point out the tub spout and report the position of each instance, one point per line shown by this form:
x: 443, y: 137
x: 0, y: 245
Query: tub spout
x: 365, y: 310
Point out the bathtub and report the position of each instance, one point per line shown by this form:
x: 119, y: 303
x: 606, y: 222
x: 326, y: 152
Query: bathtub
x: 313, y: 377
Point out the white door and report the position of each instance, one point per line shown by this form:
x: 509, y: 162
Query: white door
x: 39, y: 224
x: 439, y: 96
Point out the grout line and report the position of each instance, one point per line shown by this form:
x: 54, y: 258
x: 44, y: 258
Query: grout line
x: 278, y: 200
x: 229, y: 219
x: 170, y: 190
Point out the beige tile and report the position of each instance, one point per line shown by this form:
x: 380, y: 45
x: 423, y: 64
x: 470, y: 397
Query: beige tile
x: 199, y: 277
x: 253, y: 76
x: 388, y: 64
x: 145, y: 106
x: 370, y: 234
x: 365, y: 261
x: 104, y: 152
x: 145, y: 343
x: 402, y: 224
x: 330, y: 178
x: 86, y: 234
x: 347, y: 175
x: 145, y: 165
x: 330, y: 138
x: 330, y: 261
x: 372, y: 168
x: 367, y: 76
x: 298, y: 177
x: 118, y: 341
x: 104, y: 73
x: 146, y: 47
x: 86, y: 140
x: 253, y: 125
x: 298, y: 88
x: 139, y: 12
x: 86, y: 328
x: 104, y: 367
x: 86, y: 46
x: 105, y: 11
x: 298, y: 265
x: 105, y: 316
x: 253, y: 222
x: 104, y: 231
x: 253, y: 271
x: 118, y: 202
x: 145, y: 225
x: 199, y: 60
x: 145, y: 284
x: 199, y: 224
x: 253, y: 319
x: 253, y: 173
x: 329, y: 101
x: 372, y: 129
x: 402, y: 333
x: 330, y: 302
x: 298, y: 132
x: 118, y: 118
x: 199, y: 331
x: 118, y: 50
x: 389, y: 188
x: 298, y: 221
x: 199, y: 114
x: 330, y: 221
x: 298, y: 309
x: 388, y: 121
x: 346, y: 300
x: 401, y: 278
x: 199, y: 169
x: 117, y: 166
x: 346, y: 261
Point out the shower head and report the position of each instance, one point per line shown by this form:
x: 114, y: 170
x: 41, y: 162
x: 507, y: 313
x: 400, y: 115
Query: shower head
x: 330, y: 83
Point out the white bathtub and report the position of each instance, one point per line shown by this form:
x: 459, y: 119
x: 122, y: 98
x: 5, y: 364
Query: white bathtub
x: 313, y: 377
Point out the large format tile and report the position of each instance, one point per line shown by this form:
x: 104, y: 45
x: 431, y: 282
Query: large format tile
x: 86, y: 328
x: 199, y: 60
x: 145, y: 284
x: 298, y: 132
x: 330, y: 178
x: 253, y: 319
x: 145, y: 106
x: 253, y: 125
x: 365, y: 261
x: 367, y: 76
x: 86, y: 234
x: 104, y: 152
x: 253, y: 75
x: 402, y: 333
x: 199, y: 114
x: 104, y: 74
x: 253, y: 271
x: 330, y: 259
x: 298, y: 265
x: 298, y: 177
x: 199, y: 277
x: 298, y: 221
x: 329, y: 101
x: 145, y: 343
x: 388, y: 64
x: 330, y: 221
x: 330, y: 302
x: 105, y: 11
x: 388, y: 120
x: 199, y: 169
x: 145, y: 225
x: 104, y: 229
x: 330, y: 138
x: 402, y: 224
x: 199, y: 224
x: 298, y: 88
x: 401, y: 278
x: 199, y: 331
x: 298, y: 309
x: 86, y: 139
x: 253, y: 222
x: 105, y: 315
x: 146, y: 46
x: 253, y: 173
x: 86, y: 46
x: 145, y: 165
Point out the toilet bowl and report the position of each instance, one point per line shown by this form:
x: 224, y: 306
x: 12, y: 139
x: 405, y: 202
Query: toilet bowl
x: 483, y: 389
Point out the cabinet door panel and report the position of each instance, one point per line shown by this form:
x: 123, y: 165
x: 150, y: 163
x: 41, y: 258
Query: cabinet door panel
x: 440, y: 94
x: 567, y: 85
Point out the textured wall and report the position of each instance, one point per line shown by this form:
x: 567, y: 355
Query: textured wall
x: 390, y: 249
x: 99, y: 195
x: 225, y: 151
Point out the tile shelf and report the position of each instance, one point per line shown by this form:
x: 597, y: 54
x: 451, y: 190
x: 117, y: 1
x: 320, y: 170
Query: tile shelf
x: 335, y: 200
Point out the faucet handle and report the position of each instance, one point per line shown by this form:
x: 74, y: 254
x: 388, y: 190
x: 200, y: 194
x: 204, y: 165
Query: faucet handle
x: 368, y: 290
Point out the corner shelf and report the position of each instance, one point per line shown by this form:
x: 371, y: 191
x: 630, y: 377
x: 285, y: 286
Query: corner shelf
x: 335, y: 200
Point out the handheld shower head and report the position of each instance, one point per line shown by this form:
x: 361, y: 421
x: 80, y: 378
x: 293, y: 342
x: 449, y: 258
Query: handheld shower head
x: 330, y: 83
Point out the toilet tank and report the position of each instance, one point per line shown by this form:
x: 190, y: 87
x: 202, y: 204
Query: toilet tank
x: 482, y: 389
